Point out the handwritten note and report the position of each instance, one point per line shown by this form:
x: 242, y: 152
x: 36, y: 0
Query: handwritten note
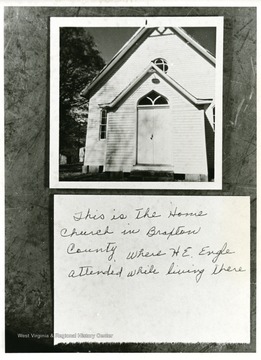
x: 151, y: 269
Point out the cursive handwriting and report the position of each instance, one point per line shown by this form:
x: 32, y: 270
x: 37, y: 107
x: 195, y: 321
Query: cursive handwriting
x: 147, y: 240
x: 179, y: 214
x: 142, y: 253
x: 108, y: 249
x: 106, y: 231
x: 87, y: 270
x: 130, y: 231
x: 142, y: 271
x: 219, y: 269
x: 184, y: 253
x: 87, y: 215
x: 119, y: 217
x: 222, y: 251
x: 198, y: 272
x: 147, y: 214
x: 180, y: 230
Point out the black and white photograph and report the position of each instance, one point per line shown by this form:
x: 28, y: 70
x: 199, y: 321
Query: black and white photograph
x: 139, y: 105
x: 130, y: 188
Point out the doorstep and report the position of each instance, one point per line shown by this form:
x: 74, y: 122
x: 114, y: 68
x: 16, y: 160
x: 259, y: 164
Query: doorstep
x: 164, y: 168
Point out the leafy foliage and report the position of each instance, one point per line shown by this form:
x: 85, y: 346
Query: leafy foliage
x: 80, y: 61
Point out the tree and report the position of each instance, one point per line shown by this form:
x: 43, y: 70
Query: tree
x: 80, y: 61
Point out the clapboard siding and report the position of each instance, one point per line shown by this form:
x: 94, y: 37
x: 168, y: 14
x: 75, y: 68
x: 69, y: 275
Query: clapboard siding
x: 118, y: 152
x: 188, y: 137
x: 95, y: 148
x: 186, y: 66
x: 189, y: 141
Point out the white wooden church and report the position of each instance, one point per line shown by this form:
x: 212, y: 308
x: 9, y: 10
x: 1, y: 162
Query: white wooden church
x: 152, y: 107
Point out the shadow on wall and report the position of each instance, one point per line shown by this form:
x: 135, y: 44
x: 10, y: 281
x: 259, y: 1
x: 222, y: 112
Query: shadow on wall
x: 210, y: 148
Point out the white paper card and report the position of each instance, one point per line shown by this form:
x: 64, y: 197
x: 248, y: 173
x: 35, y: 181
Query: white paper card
x: 151, y: 269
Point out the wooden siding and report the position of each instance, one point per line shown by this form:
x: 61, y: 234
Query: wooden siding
x: 187, y: 132
x: 95, y: 148
x: 190, y: 69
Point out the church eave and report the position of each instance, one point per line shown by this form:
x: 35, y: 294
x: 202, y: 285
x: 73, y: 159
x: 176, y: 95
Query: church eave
x: 133, y: 40
x: 153, y: 68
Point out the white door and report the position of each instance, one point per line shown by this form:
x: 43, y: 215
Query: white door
x: 154, y: 136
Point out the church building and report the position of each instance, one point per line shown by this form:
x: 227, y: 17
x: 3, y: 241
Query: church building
x: 152, y: 108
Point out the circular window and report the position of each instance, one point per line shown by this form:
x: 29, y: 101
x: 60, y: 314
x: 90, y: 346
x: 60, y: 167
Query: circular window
x: 162, y: 64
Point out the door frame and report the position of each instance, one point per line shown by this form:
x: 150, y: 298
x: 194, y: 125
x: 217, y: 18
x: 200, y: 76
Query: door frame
x: 137, y: 128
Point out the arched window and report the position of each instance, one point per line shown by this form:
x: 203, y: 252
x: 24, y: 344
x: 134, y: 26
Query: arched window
x: 162, y: 64
x: 103, y: 124
x: 153, y: 98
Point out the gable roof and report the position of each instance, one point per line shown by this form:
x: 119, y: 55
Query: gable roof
x: 155, y: 69
x: 133, y: 40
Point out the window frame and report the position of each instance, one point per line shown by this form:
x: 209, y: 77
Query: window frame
x: 153, y: 100
x: 162, y: 64
x: 103, y: 124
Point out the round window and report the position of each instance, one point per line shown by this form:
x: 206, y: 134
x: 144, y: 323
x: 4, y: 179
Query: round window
x: 162, y: 64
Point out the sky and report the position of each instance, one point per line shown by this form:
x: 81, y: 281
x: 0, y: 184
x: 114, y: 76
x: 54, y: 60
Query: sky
x: 110, y: 40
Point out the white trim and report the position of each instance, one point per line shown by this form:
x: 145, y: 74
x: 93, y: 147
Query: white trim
x: 165, y: 77
x: 133, y: 40
x: 209, y: 114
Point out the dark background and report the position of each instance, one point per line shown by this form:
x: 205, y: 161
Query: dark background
x: 29, y: 201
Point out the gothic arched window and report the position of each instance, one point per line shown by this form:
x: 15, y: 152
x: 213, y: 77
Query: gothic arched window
x: 153, y: 98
